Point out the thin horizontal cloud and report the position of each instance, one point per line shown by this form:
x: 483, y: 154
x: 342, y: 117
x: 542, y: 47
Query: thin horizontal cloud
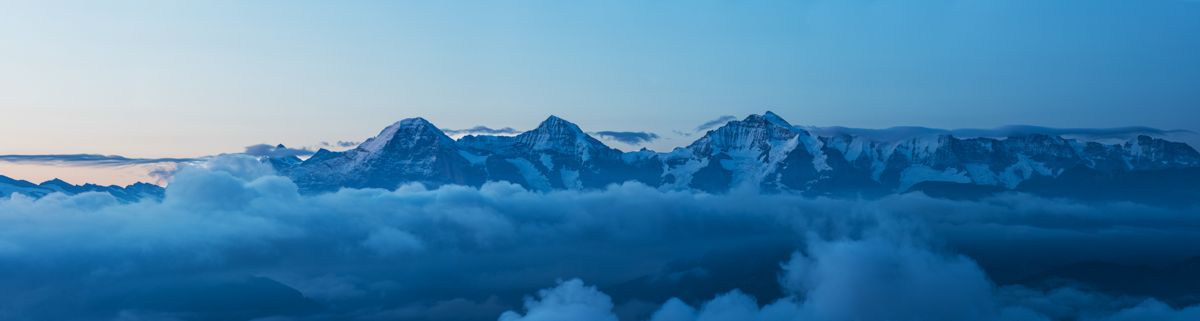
x: 339, y: 144
x: 1116, y: 132
x: 902, y: 132
x: 632, y: 138
x: 482, y: 130
x: 276, y: 151
x: 714, y: 123
x: 90, y: 160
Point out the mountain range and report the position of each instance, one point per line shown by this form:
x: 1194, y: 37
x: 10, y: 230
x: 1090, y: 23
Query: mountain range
x: 761, y: 153
x: 764, y: 153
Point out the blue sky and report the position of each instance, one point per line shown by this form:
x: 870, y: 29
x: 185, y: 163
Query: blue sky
x: 189, y: 78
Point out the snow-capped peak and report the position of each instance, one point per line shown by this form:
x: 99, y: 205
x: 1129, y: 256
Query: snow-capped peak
x: 410, y: 127
x: 558, y: 134
x: 754, y: 132
x: 1145, y: 152
x: 775, y: 119
x: 556, y: 125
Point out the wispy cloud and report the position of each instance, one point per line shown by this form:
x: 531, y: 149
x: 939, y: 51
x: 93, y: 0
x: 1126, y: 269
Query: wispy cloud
x: 482, y: 130
x: 338, y: 144
x: 902, y: 132
x: 631, y: 138
x: 714, y: 123
x: 275, y: 151
x: 90, y: 160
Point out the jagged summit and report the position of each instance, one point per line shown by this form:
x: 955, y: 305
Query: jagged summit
x: 553, y: 127
x: 410, y: 129
x: 554, y: 123
x: 5, y: 180
x: 755, y: 132
x: 410, y: 150
x: 55, y: 182
x: 1149, y: 152
x: 772, y: 118
x: 557, y: 134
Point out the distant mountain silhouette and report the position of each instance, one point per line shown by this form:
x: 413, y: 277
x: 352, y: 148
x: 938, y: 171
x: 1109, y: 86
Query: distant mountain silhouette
x: 128, y: 193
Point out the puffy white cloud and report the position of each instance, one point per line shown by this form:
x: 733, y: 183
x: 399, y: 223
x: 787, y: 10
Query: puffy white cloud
x: 570, y: 300
x: 674, y: 310
x: 877, y: 279
x: 863, y: 280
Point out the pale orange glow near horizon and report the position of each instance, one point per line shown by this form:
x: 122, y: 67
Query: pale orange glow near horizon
x: 79, y: 175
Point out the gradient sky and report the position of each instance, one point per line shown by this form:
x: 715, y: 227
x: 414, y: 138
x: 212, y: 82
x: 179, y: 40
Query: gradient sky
x: 190, y: 78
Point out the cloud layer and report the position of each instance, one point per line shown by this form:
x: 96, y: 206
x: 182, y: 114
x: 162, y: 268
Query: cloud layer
x: 896, y: 133
x: 229, y: 230
x: 481, y: 130
x: 90, y: 160
x: 631, y: 138
x: 872, y: 279
x: 276, y: 151
x: 714, y: 123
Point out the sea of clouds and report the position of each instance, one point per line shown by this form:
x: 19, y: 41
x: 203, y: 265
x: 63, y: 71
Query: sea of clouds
x: 233, y: 241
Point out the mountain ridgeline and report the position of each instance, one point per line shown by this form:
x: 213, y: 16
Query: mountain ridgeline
x: 128, y: 193
x: 764, y: 153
